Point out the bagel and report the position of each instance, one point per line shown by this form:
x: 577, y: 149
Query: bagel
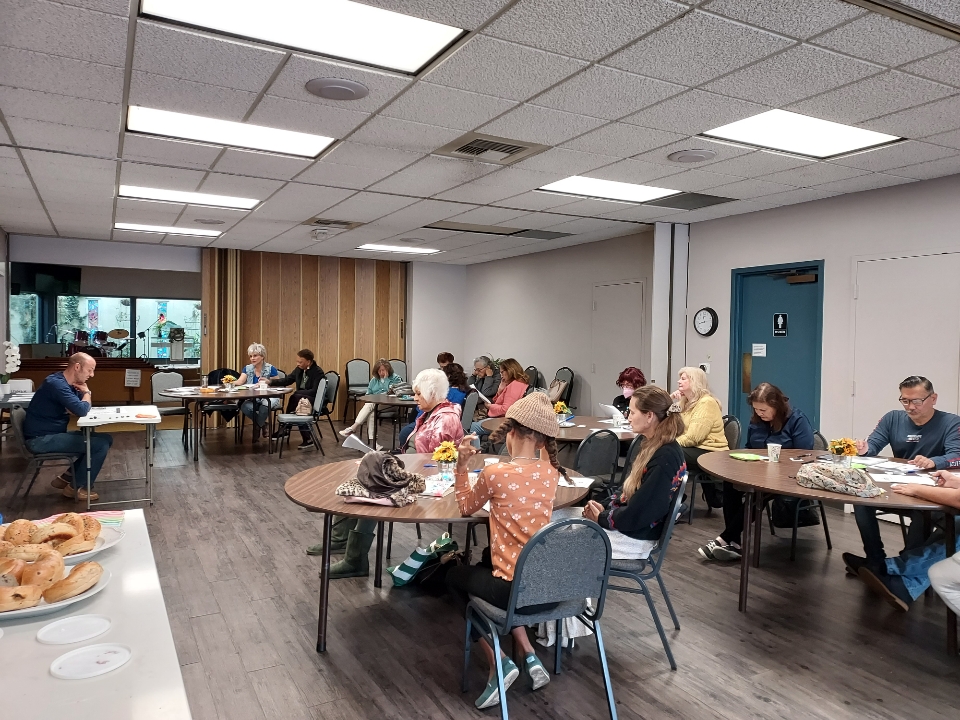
x: 4, y: 546
x: 44, y: 572
x: 53, y: 531
x: 30, y: 553
x: 75, y: 545
x: 17, y: 598
x: 75, y: 520
x: 91, y: 527
x: 19, y: 532
x: 83, y: 577
x: 11, y: 570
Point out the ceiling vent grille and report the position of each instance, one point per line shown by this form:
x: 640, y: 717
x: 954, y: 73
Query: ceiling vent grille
x: 331, y: 225
x: 489, y: 149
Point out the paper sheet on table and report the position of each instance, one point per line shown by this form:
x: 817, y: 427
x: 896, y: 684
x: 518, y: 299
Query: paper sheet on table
x: 903, y: 479
x: 870, y: 461
x: 482, y: 396
x: 582, y: 482
x: 897, y: 468
x: 437, y: 486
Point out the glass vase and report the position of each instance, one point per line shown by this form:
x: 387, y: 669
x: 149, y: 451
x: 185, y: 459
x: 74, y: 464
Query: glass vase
x: 843, y: 460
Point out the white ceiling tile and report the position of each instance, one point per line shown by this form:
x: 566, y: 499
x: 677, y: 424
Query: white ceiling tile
x: 538, y: 220
x: 784, y: 17
x: 421, y: 213
x: 791, y: 197
x: 3, y: 133
x: 425, y: 236
x: 944, y: 67
x: 70, y: 170
x: 661, y: 155
x: 367, y: 156
x: 948, y: 139
x: 173, y: 152
x: 209, y: 59
x: 883, y: 40
x: 88, y: 231
x: 239, y: 186
x: 192, y: 213
x: 136, y: 237
x: 791, y: 76
x: 54, y: 136
x: 499, y: 185
x: 457, y: 242
x: 360, y: 236
x: 433, y: 175
x: 345, y: 176
x: 749, y: 189
x: 877, y: 95
x: 257, y: 229
x: 931, y: 119
x: 291, y: 81
x: 112, y: 7
x: 930, y: 170
x: 606, y: 93
x: 490, y: 215
x: 503, y: 69
x: 59, y: 29
x: 864, y: 182
x: 563, y: 162
x: 186, y: 241
x: 306, y: 117
x: 175, y: 95
x: 529, y: 123
x: 236, y: 243
x: 755, y: 164
x: 813, y: 174
x: 695, y: 181
x: 148, y: 213
x: 697, y: 48
x: 48, y: 107
x: 584, y: 225
x: 64, y: 76
x: 536, y: 201
x: 284, y: 244
x: 622, y: 140
x: 893, y: 156
x: 296, y: 203
x: 694, y: 112
x: 446, y: 106
x: 157, y: 176
x: 404, y: 135
x: 258, y: 164
x: 592, y: 208
x: 944, y: 9
x: 587, y: 30
x: 467, y: 15
x: 368, y: 206
x: 635, y: 171
x: 639, y: 213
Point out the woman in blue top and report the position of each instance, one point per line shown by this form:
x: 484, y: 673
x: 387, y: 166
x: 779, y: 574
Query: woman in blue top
x: 258, y: 409
x: 383, y: 378
x: 773, y: 421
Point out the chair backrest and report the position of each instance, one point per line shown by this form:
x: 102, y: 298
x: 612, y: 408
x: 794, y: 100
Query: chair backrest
x: 469, y: 408
x: 731, y: 428
x: 281, y: 373
x: 164, y: 381
x: 320, y: 399
x: 631, y: 456
x: 333, y: 386
x: 399, y: 368
x: 534, y: 376
x: 17, y: 416
x: 597, y: 455
x: 564, y: 560
x: 215, y: 377
x: 21, y: 386
x: 656, y: 557
x: 565, y: 374
x: 358, y: 374
x: 820, y: 442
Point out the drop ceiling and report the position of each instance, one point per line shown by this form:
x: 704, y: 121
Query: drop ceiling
x: 611, y: 86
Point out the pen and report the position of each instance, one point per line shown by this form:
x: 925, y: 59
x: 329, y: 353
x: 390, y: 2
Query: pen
x: 430, y: 465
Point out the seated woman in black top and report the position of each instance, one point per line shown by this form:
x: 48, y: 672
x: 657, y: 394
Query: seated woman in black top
x: 305, y: 380
x: 773, y: 421
x: 634, y: 517
x: 629, y: 381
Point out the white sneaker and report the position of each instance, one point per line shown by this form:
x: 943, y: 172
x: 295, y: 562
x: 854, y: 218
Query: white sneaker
x: 347, y: 432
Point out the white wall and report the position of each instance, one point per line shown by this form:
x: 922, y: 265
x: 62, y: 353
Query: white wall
x: 437, y: 314
x: 97, y: 253
x: 537, y: 308
x: 907, y: 219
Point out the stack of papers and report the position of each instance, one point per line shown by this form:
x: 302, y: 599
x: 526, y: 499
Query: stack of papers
x: 21, y: 397
x: 903, y: 479
x: 437, y: 486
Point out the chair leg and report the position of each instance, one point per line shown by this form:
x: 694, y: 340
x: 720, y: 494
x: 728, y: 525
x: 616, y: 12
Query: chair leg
x: 656, y: 620
x: 693, y: 497
x: 332, y: 428
x: 666, y: 597
x: 450, y: 529
x: 23, y: 477
x: 473, y: 534
x: 466, y: 654
x: 769, y: 507
x: 316, y: 441
x: 826, y: 529
x: 558, y: 631
x: 499, y: 666
x: 607, y: 682
x: 419, y: 536
x: 903, y: 529
x: 793, y: 540
x: 389, y: 539
x: 279, y: 448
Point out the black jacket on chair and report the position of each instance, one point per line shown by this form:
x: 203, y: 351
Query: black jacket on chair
x: 314, y: 374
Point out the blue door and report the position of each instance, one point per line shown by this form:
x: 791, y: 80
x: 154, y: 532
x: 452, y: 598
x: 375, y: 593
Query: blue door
x: 776, y: 328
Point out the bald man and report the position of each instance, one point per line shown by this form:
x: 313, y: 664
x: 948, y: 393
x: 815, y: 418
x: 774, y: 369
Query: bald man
x: 45, y: 427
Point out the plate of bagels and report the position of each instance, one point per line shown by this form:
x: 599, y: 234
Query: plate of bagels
x: 45, y: 585
x: 74, y: 536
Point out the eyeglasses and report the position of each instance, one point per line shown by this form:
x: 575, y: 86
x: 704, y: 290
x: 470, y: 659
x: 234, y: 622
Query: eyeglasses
x: 916, y: 402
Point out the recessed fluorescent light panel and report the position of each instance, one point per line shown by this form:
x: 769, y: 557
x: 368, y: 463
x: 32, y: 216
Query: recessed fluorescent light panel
x: 189, y: 198
x: 398, y: 249
x: 335, y: 28
x: 800, y: 134
x: 607, y: 189
x: 163, y: 230
x: 224, y: 132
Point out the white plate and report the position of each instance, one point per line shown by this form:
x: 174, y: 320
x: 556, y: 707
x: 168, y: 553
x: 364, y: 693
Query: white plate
x: 45, y: 608
x: 567, y: 424
x: 73, y: 629
x: 108, y: 537
x: 90, y: 661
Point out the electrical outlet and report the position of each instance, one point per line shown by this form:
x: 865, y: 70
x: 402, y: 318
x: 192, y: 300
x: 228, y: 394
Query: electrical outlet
x: 705, y: 367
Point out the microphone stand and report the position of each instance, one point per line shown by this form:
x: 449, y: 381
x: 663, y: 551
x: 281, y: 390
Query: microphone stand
x: 144, y: 335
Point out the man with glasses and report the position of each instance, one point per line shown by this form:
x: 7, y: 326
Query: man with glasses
x: 485, y: 378
x: 928, y: 438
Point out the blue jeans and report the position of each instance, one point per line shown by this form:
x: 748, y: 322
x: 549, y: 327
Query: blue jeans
x: 258, y: 409
x: 73, y: 442
x: 405, y: 432
x: 477, y: 429
x: 913, y: 565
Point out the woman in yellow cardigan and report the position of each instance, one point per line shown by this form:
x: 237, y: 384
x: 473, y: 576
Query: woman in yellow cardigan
x: 703, y: 420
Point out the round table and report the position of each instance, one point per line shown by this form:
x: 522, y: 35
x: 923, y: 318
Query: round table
x: 584, y: 426
x: 762, y: 477
x: 315, y: 489
x: 384, y: 399
x: 200, y: 398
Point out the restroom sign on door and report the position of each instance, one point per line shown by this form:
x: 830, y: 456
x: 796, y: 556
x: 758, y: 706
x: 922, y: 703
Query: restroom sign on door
x: 779, y: 324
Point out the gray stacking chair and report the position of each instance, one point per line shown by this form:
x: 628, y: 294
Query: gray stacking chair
x: 400, y: 368
x: 642, y: 570
x: 534, y: 375
x: 731, y: 428
x: 565, y: 563
x: 358, y: 379
x: 165, y: 381
x: 468, y: 410
x: 597, y: 456
x: 34, y: 460
x: 288, y: 420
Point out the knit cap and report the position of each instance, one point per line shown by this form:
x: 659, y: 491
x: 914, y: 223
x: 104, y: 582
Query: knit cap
x: 535, y: 411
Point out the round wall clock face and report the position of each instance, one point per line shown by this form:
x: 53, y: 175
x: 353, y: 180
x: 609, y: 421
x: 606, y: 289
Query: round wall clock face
x: 705, y: 321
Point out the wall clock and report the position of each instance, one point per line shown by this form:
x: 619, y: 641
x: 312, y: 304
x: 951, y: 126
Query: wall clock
x: 705, y: 321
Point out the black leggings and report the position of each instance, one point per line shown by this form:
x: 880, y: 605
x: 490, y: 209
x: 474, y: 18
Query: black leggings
x: 732, y: 514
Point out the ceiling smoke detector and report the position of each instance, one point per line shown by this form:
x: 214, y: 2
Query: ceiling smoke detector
x: 692, y: 156
x: 337, y: 89
x: 209, y: 221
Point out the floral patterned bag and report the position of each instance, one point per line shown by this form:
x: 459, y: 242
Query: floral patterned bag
x: 835, y: 478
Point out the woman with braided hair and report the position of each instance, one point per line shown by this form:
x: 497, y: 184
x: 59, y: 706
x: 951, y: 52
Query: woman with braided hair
x: 523, y: 487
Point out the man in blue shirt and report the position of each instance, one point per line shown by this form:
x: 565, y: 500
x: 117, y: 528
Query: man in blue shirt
x: 928, y: 438
x: 45, y: 426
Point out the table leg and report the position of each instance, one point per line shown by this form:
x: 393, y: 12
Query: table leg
x: 378, y: 571
x: 950, y: 538
x: 324, y: 583
x: 197, y: 418
x: 757, y: 527
x: 746, y: 544
x: 86, y: 433
x: 376, y: 424
x: 150, y: 438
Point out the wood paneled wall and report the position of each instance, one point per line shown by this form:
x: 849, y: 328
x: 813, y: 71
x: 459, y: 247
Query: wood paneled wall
x: 341, y: 308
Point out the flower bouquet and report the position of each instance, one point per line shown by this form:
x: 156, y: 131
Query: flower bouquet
x: 11, y: 363
x: 562, y: 411
x: 446, y: 457
x: 843, y: 450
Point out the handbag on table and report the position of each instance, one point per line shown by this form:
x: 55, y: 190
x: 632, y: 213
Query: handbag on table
x: 382, y: 476
x: 838, y: 479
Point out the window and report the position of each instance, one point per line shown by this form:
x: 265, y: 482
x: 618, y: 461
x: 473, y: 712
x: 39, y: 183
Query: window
x: 85, y: 321
x: 24, y: 318
x: 156, y: 317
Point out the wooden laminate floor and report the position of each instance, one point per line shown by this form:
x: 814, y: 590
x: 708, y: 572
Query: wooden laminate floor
x: 242, y: 599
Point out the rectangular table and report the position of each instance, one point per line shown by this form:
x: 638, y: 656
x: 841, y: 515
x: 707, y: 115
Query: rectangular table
x: 148, y: 687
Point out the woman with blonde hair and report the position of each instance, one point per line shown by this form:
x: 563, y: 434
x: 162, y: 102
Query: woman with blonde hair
x: 259, y: 371
x: 634, y: 517
x: 703, y: 420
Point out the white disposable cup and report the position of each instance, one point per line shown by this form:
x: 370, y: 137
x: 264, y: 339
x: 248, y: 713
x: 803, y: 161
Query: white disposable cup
x: 773, y: 451
x: 490, y: 461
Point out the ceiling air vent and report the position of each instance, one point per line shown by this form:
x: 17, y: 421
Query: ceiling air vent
x: 490, y: 149
x: 331, y: 225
